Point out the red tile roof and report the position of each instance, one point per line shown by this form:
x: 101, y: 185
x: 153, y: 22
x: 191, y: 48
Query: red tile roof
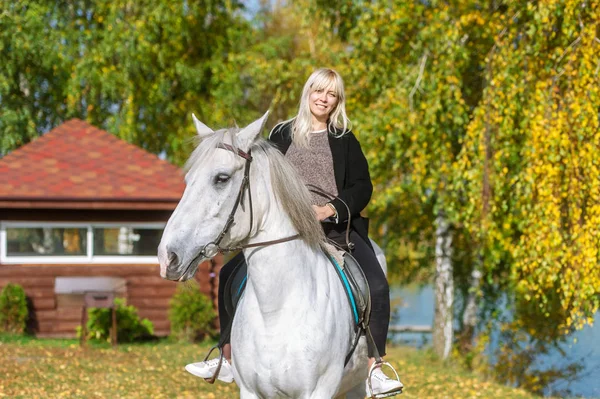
x: 77, y: 162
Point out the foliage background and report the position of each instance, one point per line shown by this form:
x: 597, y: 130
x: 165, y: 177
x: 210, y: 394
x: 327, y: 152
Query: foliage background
x: 191, y: 313
x: 13, y: 309
x: 485, y: 113
x: 130, y: 327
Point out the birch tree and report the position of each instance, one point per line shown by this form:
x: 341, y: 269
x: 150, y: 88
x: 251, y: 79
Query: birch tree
x: 536, y: 136
x: 408, y: 68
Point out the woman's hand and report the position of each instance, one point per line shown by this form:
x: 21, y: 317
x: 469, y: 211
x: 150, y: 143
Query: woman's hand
x: 323, y: 212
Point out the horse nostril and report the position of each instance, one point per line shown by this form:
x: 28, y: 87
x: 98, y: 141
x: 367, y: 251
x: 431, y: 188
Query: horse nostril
x: 172, y: 258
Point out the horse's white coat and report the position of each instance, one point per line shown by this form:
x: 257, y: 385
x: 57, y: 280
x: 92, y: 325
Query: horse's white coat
x: 293, y: 326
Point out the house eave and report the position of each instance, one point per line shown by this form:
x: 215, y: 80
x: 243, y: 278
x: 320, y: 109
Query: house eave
x: 93, y: 204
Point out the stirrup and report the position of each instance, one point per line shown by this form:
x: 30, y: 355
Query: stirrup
x: 212, y: 379
x: 387, y: 394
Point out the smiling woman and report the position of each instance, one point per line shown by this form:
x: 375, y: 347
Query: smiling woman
x: 320, y: 145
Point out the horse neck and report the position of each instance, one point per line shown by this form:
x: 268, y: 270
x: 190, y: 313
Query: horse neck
x: 283, y: 273
x: 280, y: 270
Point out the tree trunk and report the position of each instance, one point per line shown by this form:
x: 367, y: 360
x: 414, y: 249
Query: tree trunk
x: 443, y: 331
x: 470, y: 314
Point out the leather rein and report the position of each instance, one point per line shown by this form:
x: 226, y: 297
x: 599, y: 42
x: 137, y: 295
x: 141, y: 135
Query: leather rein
x: 211, y: 249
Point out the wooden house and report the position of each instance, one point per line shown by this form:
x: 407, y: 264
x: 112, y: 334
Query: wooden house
x: 81, y: 210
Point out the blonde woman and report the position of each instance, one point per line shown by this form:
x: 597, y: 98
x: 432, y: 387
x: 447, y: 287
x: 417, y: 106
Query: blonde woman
x: 319, y: 143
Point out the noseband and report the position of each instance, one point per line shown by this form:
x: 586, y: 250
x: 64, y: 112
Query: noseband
x: 211, y: 249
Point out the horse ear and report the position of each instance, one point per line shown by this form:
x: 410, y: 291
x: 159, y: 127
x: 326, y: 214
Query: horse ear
x: 201, y: 128
x: 247, y: 135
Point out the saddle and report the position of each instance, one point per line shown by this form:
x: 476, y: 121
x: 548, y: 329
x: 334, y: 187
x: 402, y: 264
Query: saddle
x: 354, y: 281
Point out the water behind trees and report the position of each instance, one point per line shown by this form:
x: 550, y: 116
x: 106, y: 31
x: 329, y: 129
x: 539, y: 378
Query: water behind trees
x: 414, y: 306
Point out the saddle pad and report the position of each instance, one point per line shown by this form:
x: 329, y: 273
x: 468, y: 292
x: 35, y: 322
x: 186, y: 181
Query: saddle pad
x: 355, y: 284
x: 235, y: 284
x: 360, y: 286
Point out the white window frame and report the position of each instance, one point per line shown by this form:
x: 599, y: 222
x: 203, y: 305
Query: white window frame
x: 89, y: 258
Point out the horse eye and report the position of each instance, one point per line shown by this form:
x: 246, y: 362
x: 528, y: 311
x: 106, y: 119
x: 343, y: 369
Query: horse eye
x: 222, y: 178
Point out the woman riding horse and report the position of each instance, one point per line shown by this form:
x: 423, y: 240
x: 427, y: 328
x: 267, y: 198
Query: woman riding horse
x: 327, y: 155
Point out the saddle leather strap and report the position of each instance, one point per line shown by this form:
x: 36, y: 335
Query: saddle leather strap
x: 329, y: 196
x: 358, y: 332
x: 245, y: 155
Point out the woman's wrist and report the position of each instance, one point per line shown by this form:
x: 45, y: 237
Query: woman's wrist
x: 332, y: 208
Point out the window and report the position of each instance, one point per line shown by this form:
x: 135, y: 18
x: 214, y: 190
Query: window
x: 127, y: 241
x: 28, y: 242
x: 45, y: 241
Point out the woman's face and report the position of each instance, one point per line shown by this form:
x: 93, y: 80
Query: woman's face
x: 322, y: 102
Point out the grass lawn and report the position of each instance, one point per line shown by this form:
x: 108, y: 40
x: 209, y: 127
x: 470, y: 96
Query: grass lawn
x: 38, y: 368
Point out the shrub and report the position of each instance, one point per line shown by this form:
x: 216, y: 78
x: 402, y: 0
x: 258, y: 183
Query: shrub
x: 191, y: 313
x: 129, y: 326
x: 13, y: 309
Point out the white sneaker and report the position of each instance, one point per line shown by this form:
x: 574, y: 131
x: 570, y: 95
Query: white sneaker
x: 383, y: 385
x: 207, y: 369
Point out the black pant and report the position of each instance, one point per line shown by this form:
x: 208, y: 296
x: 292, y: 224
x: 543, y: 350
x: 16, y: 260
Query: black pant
x: 378, y: 285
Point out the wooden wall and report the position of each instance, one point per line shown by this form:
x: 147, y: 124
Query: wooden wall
x: 58, y: 316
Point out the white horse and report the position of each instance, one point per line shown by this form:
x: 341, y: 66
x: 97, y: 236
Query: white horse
x: 293, y: 327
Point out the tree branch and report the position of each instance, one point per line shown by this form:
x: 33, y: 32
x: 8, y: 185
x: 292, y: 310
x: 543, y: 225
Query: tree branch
x: 567, y: 50
x: 502, y: 33
x: 419, y: 78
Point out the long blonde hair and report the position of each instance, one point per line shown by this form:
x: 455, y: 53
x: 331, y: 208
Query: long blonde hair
x: 320, y: 79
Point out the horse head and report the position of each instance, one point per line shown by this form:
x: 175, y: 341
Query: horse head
x: 214, y: 193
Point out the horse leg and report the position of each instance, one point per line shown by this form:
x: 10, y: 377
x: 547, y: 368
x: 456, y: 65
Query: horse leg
x: 324, y: 393
x: 359, y: 391
x: 324, y: 390
x: 246, y: 394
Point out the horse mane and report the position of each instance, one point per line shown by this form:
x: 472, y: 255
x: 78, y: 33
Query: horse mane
x: 291, y: 193
x: 289, y: 190
x: 205, y: 146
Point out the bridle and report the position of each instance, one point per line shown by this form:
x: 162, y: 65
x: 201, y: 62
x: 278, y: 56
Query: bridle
x: 211, y: 249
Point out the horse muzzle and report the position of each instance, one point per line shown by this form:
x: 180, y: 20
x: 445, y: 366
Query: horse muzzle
x: 170, y: 264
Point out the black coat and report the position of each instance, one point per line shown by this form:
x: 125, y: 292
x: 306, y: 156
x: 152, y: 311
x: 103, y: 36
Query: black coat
x: 351, y: 173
